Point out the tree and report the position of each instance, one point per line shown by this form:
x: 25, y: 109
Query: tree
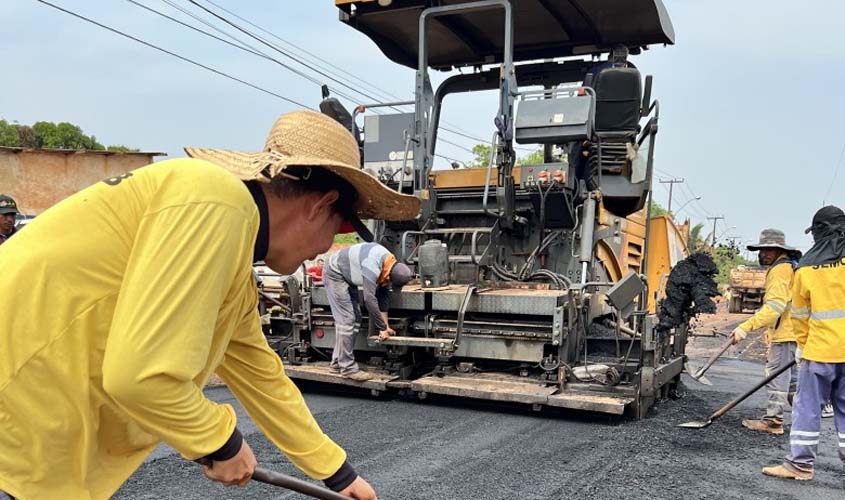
x: 696, y: 242
x: 49, y: 135
x: 482, y: 156
x: 726, y: 258
x: 657, y: 210
x: 121, y: 149
x: 9, y: 135
x: 534, y: 158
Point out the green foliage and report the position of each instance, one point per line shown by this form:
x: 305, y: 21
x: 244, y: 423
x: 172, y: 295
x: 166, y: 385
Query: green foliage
x: 49, y: 135
x: 727, y: 258
x: 696, y: 241
x: 482, y: 156
x: 657, y: 209
x: 118, y: 148
x: 346, y: 239
x: 534, y: 158
x: 9, y: 135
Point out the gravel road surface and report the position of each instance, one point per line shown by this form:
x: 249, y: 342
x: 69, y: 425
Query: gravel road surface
x: 448, y: 450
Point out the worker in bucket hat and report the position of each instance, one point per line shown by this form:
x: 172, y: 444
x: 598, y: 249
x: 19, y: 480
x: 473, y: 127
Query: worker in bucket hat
x: 140, y: 287
x: 774, y: 316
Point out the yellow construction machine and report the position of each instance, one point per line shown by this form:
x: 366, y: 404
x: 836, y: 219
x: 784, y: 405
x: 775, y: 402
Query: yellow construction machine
x: 536, y: 282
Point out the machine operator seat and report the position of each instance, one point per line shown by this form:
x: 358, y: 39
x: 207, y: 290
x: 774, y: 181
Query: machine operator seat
x: 619, y: 92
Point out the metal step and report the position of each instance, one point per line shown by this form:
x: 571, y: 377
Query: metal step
x: 435, y: 343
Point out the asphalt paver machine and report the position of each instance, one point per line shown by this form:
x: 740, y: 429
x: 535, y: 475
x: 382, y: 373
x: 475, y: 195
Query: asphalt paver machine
x: 532, y: 277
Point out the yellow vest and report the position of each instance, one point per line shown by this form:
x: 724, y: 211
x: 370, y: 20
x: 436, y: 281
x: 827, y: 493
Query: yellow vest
x: 818, y: 311
x: 775, y: 313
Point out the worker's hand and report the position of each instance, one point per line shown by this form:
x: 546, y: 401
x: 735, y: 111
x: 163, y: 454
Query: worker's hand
x: 738, y: 334
x: 360, y: 490
x: 237, y: 471
x: 386, y: 333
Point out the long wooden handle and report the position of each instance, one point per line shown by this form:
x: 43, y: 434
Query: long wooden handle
x: 714, y: 357
x: 721, y: 411
x: 294, y: 484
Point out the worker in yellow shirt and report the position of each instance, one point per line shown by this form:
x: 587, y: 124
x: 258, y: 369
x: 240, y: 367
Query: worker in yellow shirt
x: 775, y: 254
x: 127, y: 296
x: 818, y: 317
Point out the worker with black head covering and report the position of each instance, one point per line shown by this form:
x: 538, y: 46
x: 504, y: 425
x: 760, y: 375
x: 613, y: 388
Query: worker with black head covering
x: 779, y: 257
x: 373, y: 268
x: 818, y: 318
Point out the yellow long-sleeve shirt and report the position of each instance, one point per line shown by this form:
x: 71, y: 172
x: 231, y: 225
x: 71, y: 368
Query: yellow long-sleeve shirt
x: 117, y: 305
x: 818, y: 311
x: 775, y: 313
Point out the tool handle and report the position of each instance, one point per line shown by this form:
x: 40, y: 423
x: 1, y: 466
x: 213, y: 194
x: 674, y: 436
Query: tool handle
x: 721, y: 411
x: 294, y: 484
x: 714, y: 357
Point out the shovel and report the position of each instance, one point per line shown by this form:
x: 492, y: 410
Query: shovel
x: 728, y: 407
x: 700, y: 372
x: 289, y: 482
x: 294, y: 484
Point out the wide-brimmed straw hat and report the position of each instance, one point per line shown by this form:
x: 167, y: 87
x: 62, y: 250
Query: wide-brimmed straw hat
x: 771, y: 238
x: 310, y: 139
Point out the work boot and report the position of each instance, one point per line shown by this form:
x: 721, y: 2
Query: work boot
x: 359, y: 376
x: 762, y: 425
x: 334, y: 368
x: 787, y: 473
x: 827, y: 410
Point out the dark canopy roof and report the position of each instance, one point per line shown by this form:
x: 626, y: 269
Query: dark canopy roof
x: 542, y: 29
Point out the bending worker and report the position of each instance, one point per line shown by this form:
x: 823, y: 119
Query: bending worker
x: 818, y: 317
x: 774, y: 316
x: 140, y: 287
x: 374, y: 268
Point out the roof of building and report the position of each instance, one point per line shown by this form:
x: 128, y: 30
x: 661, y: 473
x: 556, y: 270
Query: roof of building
x: 79, y: 151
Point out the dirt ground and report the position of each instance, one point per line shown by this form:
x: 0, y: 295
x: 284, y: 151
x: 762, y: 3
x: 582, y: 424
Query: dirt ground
x: 442, y: 449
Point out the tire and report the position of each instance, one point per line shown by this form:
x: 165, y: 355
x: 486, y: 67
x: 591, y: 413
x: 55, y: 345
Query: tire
x: 735, y: 305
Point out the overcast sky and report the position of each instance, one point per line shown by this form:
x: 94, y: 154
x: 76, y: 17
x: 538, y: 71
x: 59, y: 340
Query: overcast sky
x: 752, y: 100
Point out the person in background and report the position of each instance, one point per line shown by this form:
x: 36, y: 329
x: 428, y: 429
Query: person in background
x: 316, y: 271
x: 8, y: 214
x: 374, y: 268
x: 775, y: 254
x: 818, y: 318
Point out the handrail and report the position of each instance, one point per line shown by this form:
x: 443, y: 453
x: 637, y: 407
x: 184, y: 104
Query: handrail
x: 494, y: 144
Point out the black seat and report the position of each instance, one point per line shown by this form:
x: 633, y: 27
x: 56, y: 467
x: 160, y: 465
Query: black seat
x: 619, y: 91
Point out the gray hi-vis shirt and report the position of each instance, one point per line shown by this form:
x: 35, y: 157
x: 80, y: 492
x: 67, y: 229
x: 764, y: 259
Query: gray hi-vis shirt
x: 362, y: 265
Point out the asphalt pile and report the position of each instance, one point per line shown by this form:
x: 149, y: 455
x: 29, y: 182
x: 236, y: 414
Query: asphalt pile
x: 689, y: 291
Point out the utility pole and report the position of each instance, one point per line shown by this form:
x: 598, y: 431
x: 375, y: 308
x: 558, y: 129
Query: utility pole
x: 671, y: 183
x: 715, y: 219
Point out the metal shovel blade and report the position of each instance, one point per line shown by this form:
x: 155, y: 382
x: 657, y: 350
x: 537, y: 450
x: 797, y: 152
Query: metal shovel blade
x: 695, y: 375
x: 696, y: 424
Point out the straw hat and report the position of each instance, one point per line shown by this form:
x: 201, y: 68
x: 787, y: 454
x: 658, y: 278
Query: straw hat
x: 307, y: 138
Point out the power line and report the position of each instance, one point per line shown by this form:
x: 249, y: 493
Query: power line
x: 279, y: 50
x: 835, y: 174
x: 206, y: 33
x: 352, y: 77
x: 180, y: 57
x: 245, y: 46
x: 315, y: 56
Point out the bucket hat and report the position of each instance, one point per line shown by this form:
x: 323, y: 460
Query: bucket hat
x: 771, y: 238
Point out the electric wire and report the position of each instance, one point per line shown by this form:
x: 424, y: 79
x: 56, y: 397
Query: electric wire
x: 173, y: 54
x: 279, y: 50
x: 835, y: 175
x: 375, y: 89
